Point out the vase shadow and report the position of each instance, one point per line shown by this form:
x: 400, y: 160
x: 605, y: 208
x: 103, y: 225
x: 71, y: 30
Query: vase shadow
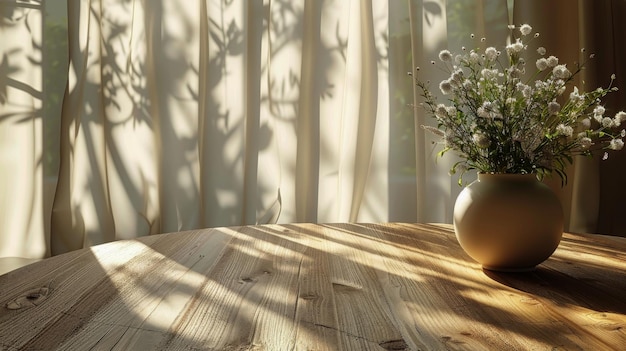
x: 597, y: 294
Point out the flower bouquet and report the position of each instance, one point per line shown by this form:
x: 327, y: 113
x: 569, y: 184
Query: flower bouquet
x: 504, y: 115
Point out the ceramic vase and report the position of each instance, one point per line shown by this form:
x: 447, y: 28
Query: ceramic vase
x: 508, y: 222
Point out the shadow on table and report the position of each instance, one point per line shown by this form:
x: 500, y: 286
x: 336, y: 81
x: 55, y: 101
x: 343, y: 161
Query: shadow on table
x: 564, y: 283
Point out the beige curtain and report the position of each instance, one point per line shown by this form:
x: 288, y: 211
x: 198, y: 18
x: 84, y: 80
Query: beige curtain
x: 201, y: 113
x: 191, y: 114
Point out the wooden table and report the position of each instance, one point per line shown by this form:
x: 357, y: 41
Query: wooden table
x: 314, y: 287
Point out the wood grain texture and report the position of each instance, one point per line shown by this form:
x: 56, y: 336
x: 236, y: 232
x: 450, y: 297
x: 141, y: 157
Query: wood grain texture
x: 314, y: 287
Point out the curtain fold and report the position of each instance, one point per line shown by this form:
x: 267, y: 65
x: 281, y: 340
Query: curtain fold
x: 216, y: 113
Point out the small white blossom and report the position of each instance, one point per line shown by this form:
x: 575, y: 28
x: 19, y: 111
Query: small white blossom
x: 599, y: 111
x: 607, y: 122
x: 491, y: 53
x: 541, y: 50
x: 622, y: 133
x: 616, y: 144
x: 575, y: 96
x: 515, y: 48
x: 620, y: 117
x: 553, y: 61
x: 525, y: 29
x: 561, y: 72
x: 562, y: 129
x: 489, y: 73
x: 445, y: 56
x: 445, y: 87
x: 542, y: 64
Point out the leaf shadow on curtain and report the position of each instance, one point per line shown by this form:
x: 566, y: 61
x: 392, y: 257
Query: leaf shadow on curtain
x: 22, y: 110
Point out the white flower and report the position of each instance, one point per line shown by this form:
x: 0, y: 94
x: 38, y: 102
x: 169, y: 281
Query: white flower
x: 541, y: 50
x: 446, y: 87
x: 623, y: 133
x: 525, y: 29
x: 491, y: 53
x: 457, y: 78
x: 515, y: 47
x: 542, y: 64
x: 489, y: 73
x: 599, y: 111
x: 553, y: 61
x: 562, y: 129
x: 561, y: 72
x: 620, y: 117
x: 616, y: 144
x: 607, y: 122
x: 445, y: 56
x: 575, y: 96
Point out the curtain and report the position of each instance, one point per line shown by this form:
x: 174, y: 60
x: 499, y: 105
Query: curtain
x: 181, y: 115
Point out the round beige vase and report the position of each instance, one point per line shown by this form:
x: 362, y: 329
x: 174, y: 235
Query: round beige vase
x: 508, y: 222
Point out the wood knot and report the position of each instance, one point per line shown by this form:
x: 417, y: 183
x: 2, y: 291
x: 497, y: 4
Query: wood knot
x: 345, y: 287
x: 30, y: 298
x: 394, y: 345
x: 308, y: 296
